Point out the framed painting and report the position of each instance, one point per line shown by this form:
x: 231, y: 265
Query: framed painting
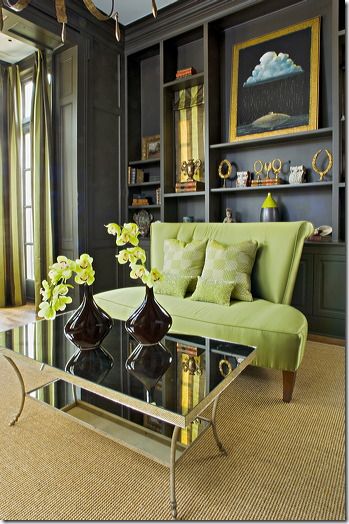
x: 275, y: 83
x: 150, y: 147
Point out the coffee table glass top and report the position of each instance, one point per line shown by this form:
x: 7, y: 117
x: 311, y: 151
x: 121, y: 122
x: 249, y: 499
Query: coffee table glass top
x: 198, y: 366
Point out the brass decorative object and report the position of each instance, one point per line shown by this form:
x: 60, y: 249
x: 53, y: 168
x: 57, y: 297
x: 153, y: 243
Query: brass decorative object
x: 190, y: 365
x: 225, y: 367
x: 276, y: 167
x: 258, y: 167
x: 224, y: 170
x: 322, y: 173
x: 191, y: 168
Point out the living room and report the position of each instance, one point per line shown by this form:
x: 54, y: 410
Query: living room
x: 208, y: 138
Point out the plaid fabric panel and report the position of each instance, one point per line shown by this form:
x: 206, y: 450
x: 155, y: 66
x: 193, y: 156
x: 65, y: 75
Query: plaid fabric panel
x: 231, y: 263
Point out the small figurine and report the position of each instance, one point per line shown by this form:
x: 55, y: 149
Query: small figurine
x: 228, y: 216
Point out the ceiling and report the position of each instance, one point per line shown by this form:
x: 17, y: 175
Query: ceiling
x: 131, y: 10
x: 12, y: 50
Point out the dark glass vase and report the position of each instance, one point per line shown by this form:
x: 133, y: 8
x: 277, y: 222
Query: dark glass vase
x: 89, y: 325
x: 94, y: 364
x: 150, y: 322
x: 148, y: 364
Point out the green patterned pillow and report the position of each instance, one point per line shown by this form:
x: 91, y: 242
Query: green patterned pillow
x: 213, y: 291
x: 175, y: 285
x: 184, y: 259
x: 231, y: 264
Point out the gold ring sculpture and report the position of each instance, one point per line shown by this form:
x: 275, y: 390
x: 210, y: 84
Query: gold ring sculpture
x: 225, y: 367
x: 220, y: 170
x: 328, y: 167
x: 257, y: 171
x: 276, y: 170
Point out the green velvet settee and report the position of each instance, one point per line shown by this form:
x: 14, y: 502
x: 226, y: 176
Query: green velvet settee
x: 278, y: 330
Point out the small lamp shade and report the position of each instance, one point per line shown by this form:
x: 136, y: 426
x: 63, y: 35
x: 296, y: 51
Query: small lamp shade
x: 269, y: 211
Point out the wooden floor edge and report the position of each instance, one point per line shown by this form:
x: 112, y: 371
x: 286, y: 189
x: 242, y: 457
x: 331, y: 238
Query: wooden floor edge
x: 326, y: 340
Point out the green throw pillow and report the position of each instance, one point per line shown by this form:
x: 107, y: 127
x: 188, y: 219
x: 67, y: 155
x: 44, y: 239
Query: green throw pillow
x: 175, y: 285
x: 183, y: 259
x: 214, y: 291
x: 231, y: 264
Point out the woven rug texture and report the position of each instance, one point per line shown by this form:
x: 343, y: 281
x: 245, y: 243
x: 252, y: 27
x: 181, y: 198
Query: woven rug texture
x: 285, y: 461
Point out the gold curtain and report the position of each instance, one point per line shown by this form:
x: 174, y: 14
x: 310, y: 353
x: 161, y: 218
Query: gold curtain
x: 189, y: 128
x: 41, y: 136
x: 12, y: 282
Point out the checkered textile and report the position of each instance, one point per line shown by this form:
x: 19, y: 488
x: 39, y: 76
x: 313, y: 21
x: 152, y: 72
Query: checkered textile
x: 231, y: 264
x: 184, y: 259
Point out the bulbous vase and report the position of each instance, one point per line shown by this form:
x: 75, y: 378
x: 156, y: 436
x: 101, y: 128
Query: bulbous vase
x: 89, y: 325
x: 150, y: 322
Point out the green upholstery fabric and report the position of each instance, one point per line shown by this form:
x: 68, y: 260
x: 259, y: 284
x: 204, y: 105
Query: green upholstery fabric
x: 278, y: 331
x: 215, y: 291
x: 280, y: 246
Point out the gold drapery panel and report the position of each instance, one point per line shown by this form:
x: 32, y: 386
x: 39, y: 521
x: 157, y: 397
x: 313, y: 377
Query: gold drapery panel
x: 41, y: 136
x: 189, y: 113
x: 12, y: 283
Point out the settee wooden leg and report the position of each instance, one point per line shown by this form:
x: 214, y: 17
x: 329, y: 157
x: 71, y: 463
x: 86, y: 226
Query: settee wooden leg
x: 288, y: 379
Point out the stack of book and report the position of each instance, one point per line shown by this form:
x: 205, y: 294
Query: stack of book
x: 135, y: 175
x: 137, y: 201
x: 185, y: 72
x: 267, y: 182
x: 190, y: 185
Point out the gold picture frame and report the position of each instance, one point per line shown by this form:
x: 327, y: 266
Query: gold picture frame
x: 150, y: 147
x: 280, y: 93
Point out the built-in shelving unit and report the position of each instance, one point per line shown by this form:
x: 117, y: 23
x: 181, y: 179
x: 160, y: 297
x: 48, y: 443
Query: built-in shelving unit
x: 207, y: 47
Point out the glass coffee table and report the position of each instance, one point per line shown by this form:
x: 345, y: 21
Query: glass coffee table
x: 158, y: 416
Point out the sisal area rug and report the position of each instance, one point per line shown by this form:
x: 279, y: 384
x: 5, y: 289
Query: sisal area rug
x: 285, y: 461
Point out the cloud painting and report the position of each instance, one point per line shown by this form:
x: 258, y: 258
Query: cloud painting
x: 272, y: 66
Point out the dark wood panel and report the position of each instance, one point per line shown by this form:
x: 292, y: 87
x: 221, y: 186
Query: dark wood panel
x: 329, y: 286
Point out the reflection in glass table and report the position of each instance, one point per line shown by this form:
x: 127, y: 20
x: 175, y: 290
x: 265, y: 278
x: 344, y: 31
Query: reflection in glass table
x: 160, y: 417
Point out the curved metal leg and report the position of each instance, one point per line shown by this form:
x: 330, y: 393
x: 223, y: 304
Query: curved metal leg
x: 19, y: 376
x: 213, y: 422
x: 172, y: 472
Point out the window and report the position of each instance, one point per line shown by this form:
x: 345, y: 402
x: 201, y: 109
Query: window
x: 27, y: 92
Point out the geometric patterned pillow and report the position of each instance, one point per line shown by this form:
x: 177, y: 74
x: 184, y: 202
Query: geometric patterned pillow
x: 184, y: 259
x: 231, y: 264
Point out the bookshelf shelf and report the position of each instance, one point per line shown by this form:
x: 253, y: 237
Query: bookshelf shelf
x: 145, y: 184
x: 146, y: 206
x: 148, y: 161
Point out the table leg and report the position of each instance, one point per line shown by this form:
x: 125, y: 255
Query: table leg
x: 172, y: 472
x: 214, y: 429
x: 19, y: 376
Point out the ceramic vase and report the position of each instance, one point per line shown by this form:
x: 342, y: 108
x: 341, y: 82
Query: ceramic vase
x: 269, y: 211
x: 89, y: 325
x: 150, y: 322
